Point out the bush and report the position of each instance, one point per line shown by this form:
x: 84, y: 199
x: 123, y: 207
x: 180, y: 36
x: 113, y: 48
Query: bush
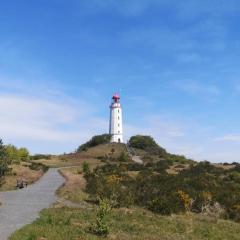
x: 110, y: 182
x: 161, y: 166
x: 177, y: 158
x: 135, y: 167
x: 148, y: 144
x: 38, y: 166
x: 40, y: 156
x: 166, y: 204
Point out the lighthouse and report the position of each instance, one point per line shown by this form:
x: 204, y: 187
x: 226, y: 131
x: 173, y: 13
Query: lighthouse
x: 115, y: 123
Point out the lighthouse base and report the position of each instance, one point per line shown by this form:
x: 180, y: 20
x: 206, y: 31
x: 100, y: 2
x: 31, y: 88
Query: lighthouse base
x: 117, y: 138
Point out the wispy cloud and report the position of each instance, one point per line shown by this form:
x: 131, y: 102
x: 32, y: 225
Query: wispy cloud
x: 34, y: 120
x: 228, y: 138
x: 197, y: 88
x: 188, y: 8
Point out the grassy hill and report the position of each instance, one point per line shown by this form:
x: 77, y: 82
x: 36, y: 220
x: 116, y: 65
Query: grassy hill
x: 102, y: 150
x: 166, y: 197
x: 61, y: 222
x: 93, y: 155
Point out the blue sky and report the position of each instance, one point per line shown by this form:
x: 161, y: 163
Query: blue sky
x: 175, y: 64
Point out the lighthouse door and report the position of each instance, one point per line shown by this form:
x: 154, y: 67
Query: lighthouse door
x: 119, y: 140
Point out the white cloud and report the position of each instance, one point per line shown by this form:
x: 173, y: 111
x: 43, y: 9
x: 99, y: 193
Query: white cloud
x: 30, y: 119
x: 228, y: 138
x: 197, y: 88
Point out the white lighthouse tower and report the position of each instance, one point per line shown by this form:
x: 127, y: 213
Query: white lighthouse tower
x: 115, y: 126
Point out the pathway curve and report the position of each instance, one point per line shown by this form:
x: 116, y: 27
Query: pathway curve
x: 133, y: 155
x: 21, y: 207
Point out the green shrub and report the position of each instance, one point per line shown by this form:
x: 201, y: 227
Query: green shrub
x: 123, y: 157
x: 38, y: 166
x: 85, y: 168
x: 166, y: 204
x: 161, y: 166
x: 177, y: 158
x: 135, y: 167
x: 146, y: 143
x: 101, y: 227
x: 3, y: 161
x: 40, y: 156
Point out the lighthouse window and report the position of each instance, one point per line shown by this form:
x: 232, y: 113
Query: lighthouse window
x: 118, y: 111
x: 119, y: 125
x: 118, y: 117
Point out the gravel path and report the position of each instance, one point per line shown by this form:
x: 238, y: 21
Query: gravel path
x: 22, y: 207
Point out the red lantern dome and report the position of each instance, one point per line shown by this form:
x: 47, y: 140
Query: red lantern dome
x: 116, y: 97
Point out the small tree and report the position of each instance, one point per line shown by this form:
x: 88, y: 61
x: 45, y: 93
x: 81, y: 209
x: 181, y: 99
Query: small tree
x: 12, y: 153
x: 23, y: 154
x: 85, y: 168
x: 100, y: 227
x: 3, y: 161
x: 112, y: 151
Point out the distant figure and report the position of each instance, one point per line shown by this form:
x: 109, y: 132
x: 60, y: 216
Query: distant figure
x: 115, y: 126
x: 21, y: 184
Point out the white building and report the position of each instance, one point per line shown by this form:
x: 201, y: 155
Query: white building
x: 115, y: 126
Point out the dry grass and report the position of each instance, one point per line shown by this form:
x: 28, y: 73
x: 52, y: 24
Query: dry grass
x: 59, y: 161
x: 73, y: 188
x: 67, y: 160
x: 91, y: 156
x: 132, y: 174
x: 20, y: 172
x: 225, y: 167
x: 102, y: 150
x: 176, y: 168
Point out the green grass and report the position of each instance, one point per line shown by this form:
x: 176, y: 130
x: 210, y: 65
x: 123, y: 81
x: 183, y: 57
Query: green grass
x: 136, y: 223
